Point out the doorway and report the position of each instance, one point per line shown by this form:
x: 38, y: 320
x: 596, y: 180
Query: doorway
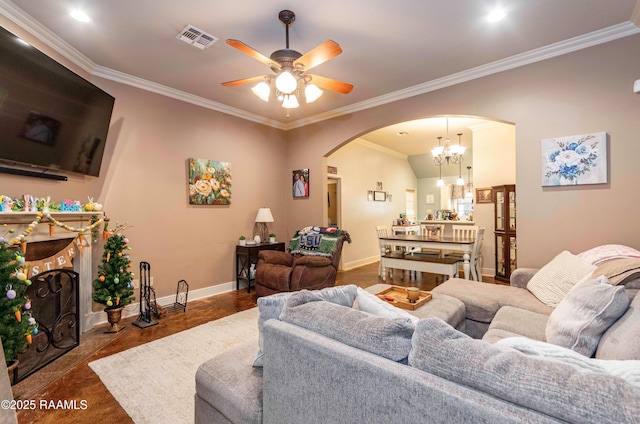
x: 333, y: 202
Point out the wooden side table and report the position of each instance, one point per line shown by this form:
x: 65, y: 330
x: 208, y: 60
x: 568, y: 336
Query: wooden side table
x: 247, y: 256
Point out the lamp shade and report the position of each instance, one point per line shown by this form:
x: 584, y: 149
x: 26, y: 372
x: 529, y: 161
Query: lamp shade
x: 264, y: 215
x: 312, y: 92
x: 262, y: 90
x: 290, y: 101
x: 286, y: 82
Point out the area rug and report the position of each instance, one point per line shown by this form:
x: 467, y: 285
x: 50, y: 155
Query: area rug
x: 155, y: 382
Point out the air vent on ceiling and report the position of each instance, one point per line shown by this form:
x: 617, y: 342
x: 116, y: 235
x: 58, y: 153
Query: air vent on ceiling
x: 196, y: 37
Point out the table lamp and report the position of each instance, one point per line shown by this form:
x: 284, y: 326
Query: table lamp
x: 260, y: 227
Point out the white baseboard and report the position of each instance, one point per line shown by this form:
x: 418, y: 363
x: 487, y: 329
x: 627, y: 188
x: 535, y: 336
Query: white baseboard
x: 346, y: 266
x: 99, y: 317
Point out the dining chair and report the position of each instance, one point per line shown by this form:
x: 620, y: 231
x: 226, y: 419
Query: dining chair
x: 436, y: 231
x: 384, y: 231
x: 475, y: 259
x: 466, y: 231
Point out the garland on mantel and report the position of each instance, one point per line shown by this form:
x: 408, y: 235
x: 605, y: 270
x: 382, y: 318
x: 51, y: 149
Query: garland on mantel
x: 21, y: 239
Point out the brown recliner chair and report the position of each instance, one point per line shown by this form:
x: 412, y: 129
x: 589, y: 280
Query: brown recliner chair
x: 278, y: 272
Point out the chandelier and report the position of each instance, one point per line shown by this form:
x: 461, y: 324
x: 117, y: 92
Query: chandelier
x: 448, y: 153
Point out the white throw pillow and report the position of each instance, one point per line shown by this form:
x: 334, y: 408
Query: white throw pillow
x: 368, y: 302
x: 553, y: 281
x: 583, y: 316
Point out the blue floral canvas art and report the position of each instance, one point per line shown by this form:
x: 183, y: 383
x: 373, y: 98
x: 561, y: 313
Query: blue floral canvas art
x: 573, y: 160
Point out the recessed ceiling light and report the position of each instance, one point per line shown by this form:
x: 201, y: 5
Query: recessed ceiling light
x: 496, y: 15
x: 79, y: 15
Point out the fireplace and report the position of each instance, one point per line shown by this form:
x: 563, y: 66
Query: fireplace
x: 55, y: 300
x: 67, y: 292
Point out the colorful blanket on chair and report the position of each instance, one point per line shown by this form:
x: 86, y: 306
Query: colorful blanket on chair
x: 318, y: 241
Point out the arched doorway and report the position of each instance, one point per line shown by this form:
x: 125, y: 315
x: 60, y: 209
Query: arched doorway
x: 398, y: 157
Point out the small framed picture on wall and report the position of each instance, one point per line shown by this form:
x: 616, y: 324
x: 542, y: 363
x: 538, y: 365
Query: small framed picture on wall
x: 431, y: 199
x: 484, y: 195
x: 300, y: 179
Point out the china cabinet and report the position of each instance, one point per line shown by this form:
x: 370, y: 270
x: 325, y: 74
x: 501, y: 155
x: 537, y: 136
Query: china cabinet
x: 504, y: 200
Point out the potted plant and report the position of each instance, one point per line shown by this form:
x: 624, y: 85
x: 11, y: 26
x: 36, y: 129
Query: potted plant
x: 114, y: 285
x: 242, y: 241
x: 17, y: 324
x: 272, y: 238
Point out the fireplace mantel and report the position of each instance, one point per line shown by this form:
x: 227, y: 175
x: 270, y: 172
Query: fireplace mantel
x: 82, y: 264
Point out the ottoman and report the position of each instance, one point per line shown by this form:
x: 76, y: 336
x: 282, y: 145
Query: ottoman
x: 447, y: 308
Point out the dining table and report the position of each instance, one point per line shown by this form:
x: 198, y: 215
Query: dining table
x: 417, y: 242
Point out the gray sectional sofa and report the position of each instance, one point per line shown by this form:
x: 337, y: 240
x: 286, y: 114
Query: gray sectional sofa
x: 318, y: 367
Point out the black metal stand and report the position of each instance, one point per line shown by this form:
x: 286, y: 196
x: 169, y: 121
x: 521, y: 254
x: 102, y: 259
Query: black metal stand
x: 147, y: 298
x: 182, y: 293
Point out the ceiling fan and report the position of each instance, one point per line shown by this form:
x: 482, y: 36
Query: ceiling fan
x: 290, y: 70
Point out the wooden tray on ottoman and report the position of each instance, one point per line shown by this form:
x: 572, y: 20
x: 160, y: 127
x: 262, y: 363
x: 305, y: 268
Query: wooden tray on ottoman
x: 397, y: 296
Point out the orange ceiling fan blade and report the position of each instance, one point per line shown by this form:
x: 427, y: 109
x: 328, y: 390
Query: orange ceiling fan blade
x: 245, y: 81
x: 320, y: 54
x: 253, y: 53
x: 331, y: 84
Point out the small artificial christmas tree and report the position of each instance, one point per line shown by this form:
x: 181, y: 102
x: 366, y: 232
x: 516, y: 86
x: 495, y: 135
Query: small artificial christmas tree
x: 114, y: 285
x: 16, y: 323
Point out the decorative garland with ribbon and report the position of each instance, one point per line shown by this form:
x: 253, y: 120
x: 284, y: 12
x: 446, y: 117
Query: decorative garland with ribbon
x: 21, y: 239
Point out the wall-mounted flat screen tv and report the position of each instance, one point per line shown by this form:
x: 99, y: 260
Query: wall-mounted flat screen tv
x: 50, y: 117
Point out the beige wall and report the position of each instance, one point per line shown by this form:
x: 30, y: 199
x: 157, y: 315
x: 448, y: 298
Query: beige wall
x: 144, y: 182
x: 494, y: 160
x: 581, y: 92
x: 360, y: 167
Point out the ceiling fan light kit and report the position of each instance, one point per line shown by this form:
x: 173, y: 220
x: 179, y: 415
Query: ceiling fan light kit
x: 290, y: 68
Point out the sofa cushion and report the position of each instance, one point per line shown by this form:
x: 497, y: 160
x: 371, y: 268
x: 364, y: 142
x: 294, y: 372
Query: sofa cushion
x: 520, y: 322
x: 607, y: 252
x: 555, y: 389
x: 622, y: 339
x: 270, y: 307
x: 482, y: 300
x: 229, y: 385
x: 627, y: 370
x: 554, y: 280
x: 386, y: 337
x: 619, y: 271
x: 585, y: 313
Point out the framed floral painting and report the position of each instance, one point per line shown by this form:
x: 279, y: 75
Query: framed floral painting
x: 574, y: 160
x: 209, y: 182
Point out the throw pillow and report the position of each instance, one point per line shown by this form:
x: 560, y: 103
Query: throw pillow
x: 553, y: 281
x: 552, y: 388
x: 608, y: 251
x: 628, y: 370
x: 386, y: 337
x: 587, y: 311
x: 372, y: 304
x: 619, y: 271
x: 271, y: 306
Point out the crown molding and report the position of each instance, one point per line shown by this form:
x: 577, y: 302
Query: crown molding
x: 547, y: 52
x: 34, y: 27
x: 44, y: 34
x: 379, y: 148
x: 121, y: 77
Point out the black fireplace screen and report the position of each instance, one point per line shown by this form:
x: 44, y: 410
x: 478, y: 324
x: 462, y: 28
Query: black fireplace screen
x: 55, y: 301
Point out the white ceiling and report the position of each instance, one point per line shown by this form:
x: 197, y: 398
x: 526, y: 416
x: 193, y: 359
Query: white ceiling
x: 391, y: 50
